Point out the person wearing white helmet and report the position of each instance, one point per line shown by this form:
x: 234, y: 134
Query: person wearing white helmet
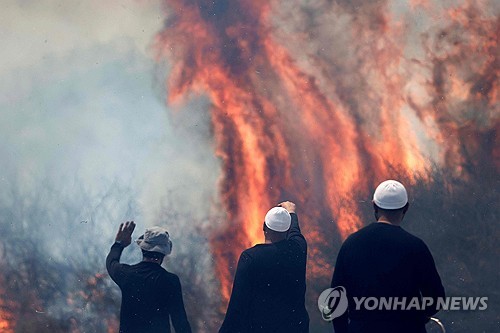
x: 270, y: 282
x: 382, y: 260
x: 151, y: 296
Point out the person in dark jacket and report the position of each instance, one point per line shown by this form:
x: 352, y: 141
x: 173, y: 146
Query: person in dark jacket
x: 382, y: 260
x: 151, y: 296
x: 270, y: 281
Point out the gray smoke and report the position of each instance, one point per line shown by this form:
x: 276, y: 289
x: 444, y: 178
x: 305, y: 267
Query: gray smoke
x: 86, y: 142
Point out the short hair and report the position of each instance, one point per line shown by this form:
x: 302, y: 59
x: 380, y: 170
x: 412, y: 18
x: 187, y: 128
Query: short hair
x: 391, y: 211
x: 274, y: 235
x: 152, y: 255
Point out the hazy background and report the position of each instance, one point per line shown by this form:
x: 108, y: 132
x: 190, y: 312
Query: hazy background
x: 87, y: 141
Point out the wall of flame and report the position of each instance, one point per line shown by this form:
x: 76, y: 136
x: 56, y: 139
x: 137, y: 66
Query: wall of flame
x: 318, y: 101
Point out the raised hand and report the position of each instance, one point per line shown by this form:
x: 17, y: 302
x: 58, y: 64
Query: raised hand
x: 288, y: 205
x: 124, y: 235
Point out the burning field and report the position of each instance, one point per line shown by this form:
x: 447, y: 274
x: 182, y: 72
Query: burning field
x: 320, y: 101
x: 315, y: 102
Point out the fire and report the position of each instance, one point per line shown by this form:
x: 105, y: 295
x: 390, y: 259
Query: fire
x: 7, y: 318
x: 5, y: 326
x: 321, y: 118
x: 94, y: 298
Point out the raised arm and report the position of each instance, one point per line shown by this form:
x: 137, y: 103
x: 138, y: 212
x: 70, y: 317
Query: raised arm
x: 122, y: 240
x: 113, y: 262
x: 294, y: 233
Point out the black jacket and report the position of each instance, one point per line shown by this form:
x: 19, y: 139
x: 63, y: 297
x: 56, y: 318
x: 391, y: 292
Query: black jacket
x: 383, y: 260
x: 150, y: 296
x: 269, y: 288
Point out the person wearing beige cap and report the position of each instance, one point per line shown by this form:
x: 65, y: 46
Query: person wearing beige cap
x: 382, y: 260
x: 151, y: 295
x: 270, y: 282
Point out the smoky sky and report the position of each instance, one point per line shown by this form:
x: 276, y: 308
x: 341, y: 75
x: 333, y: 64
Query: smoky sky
x: 83, y: 112
x: 87, y: 139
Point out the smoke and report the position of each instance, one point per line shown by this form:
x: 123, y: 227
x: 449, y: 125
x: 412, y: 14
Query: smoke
x: 86, y: 143
x: 313, y: 101
x: 318, y: 101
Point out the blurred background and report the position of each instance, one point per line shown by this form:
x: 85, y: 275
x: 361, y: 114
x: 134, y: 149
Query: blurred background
x: 201, y: 115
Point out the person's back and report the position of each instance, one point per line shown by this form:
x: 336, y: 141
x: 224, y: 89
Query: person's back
x: 277, y: 273
x: 387, y: 263
x: 269, y: 287
x: 383, y: 260
x: 151, y: 296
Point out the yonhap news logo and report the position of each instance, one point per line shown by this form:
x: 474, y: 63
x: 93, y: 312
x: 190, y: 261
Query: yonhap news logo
x: 332, y: 303
x: 453, y: 303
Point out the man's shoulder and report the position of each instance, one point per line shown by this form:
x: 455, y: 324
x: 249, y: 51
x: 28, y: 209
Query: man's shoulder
x: 411, y: 239
x: 168, y: 280
x: 169, y: 275
x: 257, y: 251
x: 261, y: 251
x: 367, y: 229
x: 254, y: 251
x: 158, y: 271
x: 374, y: 229
x: 411, y: 236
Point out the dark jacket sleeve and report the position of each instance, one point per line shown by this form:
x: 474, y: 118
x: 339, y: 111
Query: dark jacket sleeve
x: 178, y: 312
x: 340, y: 324
x: 295, y: 235
x: 115, y: 269
x: 429, y: 280
x: 236, y: 320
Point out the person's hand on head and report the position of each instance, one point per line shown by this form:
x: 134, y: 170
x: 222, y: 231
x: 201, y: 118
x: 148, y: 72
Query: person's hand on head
x: 124, y: 235
x: 288, y: 205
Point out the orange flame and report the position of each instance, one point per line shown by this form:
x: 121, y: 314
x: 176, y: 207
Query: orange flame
x: 292, y: 121
x: 7, y: 318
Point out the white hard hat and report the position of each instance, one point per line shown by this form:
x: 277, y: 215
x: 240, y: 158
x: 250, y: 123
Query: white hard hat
x: 278, y: 219
x: 390, y: 194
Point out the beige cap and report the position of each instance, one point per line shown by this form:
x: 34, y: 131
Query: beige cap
x: 155, y: 239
